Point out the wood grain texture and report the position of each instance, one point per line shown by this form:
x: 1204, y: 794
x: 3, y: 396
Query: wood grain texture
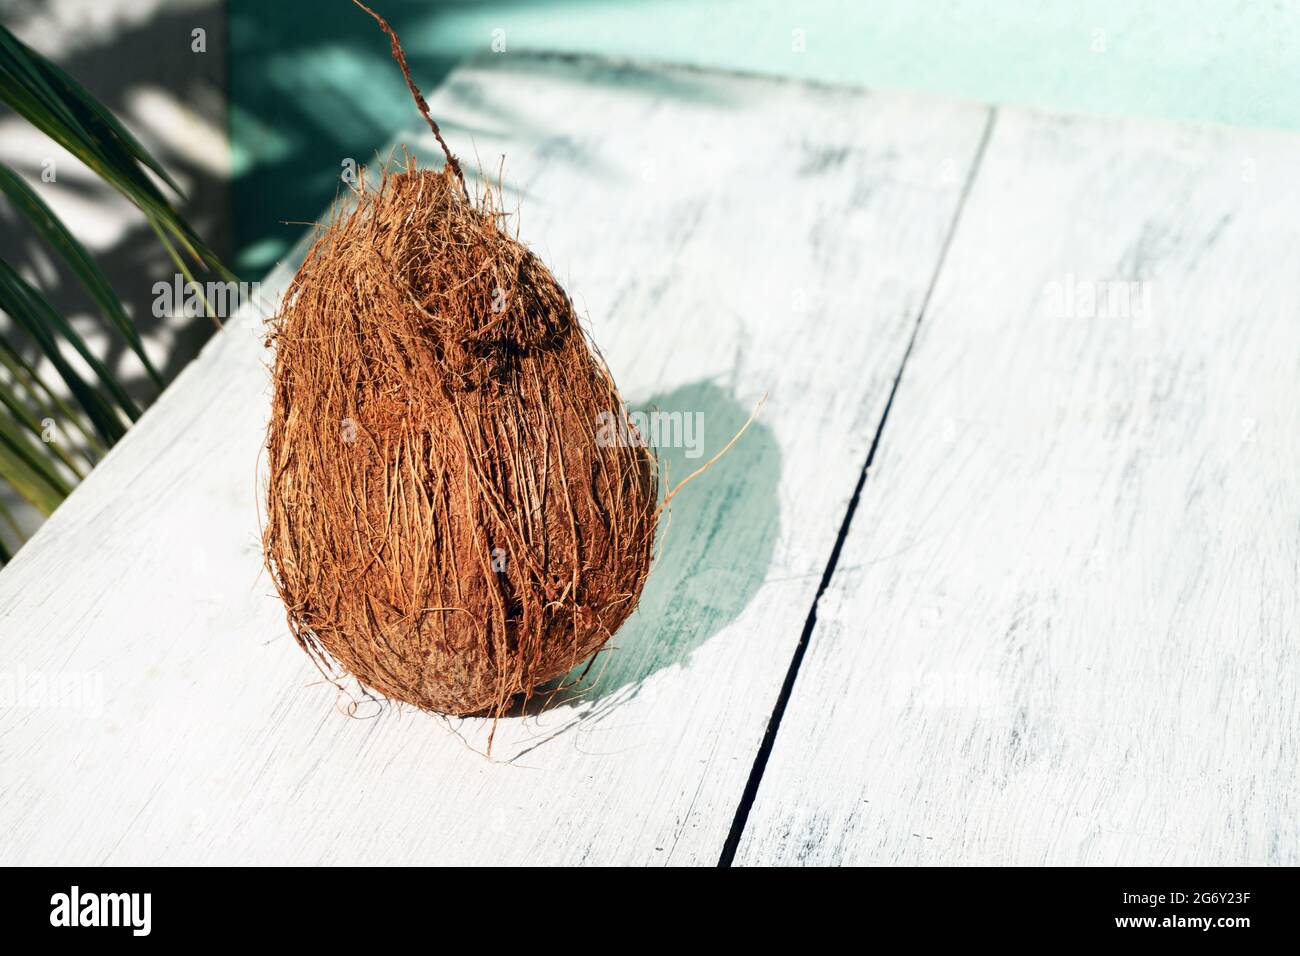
x: 1063, y: 628
x: 728, y: 237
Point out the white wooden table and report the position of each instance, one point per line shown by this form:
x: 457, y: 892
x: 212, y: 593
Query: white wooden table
x: 1060, y: 605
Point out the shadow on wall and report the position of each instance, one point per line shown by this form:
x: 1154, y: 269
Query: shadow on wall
x: 325, y: 89
x: 315, y: 85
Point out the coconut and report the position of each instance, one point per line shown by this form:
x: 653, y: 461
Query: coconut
x: 448, y: 518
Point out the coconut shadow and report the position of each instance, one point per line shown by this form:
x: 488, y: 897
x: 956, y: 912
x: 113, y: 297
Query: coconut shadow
x: 715, y: 544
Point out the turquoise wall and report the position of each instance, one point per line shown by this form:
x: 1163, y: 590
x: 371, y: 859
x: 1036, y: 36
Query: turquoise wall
x: 312, y: 82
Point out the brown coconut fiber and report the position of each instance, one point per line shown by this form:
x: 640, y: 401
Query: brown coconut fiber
x: 445, y: 520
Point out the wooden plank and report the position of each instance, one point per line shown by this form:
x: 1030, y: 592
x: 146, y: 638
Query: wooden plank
x: 729, y: 237
x: 1063, y: 627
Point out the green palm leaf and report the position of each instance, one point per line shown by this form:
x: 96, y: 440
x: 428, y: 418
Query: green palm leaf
x: 39, y: 397
x: 58, y: 106
x: 43, y: 471
x: 28, y: 308
x: 28, y: 471
x: 8, y: 520
x: 23, y: 417
x: 78, y: 260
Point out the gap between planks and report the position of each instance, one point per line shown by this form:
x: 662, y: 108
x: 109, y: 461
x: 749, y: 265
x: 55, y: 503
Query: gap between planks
x: 792, y: 673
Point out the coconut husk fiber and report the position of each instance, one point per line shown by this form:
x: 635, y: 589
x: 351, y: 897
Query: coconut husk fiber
x: 445, y: 520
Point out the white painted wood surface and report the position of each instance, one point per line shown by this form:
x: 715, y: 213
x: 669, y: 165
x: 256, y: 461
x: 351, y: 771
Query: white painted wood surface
x: 1063, y: 628
x: 729, y: 237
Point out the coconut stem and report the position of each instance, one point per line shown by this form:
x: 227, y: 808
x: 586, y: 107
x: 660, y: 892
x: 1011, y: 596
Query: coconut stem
x: 420, y: 103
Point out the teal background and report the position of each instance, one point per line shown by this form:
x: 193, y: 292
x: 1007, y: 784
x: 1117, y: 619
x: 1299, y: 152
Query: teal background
x: 312, y: 82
